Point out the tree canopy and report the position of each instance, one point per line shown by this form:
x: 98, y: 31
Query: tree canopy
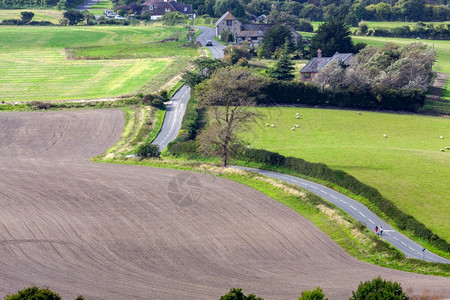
x: 379, y: 289
x: 274, y: 39
x: 332, y: 37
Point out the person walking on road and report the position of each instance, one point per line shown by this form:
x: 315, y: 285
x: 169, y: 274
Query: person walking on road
x: 381, y: 230
x: 376, y: 229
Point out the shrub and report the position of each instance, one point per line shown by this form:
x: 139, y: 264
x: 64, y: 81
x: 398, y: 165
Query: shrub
x: 379, y: 289
x: 147, y: 149
x: 156, y: 101
x: 316, y: 294
x: 27, y: 16
x: 237, y: 294
x: 34, y: 293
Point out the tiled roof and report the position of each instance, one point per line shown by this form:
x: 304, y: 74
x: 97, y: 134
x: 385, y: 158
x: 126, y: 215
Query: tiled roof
x: 182, y: 8
x: 251, y: 33
x: 316, y: 64
x: 160, y: 8
x: 226, y: 16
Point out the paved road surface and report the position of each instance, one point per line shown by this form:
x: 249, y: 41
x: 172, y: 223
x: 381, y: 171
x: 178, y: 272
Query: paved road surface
x: 87, y: 4
x: 176, y: 107
x: 172, y: 124
x: 359, y: 212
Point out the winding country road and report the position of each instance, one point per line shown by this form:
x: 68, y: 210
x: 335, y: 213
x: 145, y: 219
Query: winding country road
x: 172, y: 125
x: 176, y: 107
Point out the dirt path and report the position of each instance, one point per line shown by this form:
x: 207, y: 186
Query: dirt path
x: 115, y: 232
x: 436, y: 89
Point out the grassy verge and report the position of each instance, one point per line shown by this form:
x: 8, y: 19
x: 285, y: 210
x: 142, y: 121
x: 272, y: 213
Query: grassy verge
x: 349, y: 234
x: 97, y: 9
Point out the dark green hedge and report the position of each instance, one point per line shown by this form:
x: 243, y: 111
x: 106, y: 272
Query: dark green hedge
x: 301, y: 93
x: 341, y: 178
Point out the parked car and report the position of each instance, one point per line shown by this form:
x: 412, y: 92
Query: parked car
x: 118, y: 17
x: 208, y: 43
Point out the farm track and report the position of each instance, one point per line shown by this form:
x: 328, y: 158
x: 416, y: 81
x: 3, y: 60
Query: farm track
x: 111, y: 232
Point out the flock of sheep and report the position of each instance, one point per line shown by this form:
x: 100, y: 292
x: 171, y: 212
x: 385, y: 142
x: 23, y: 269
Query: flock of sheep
x: 297, y: 115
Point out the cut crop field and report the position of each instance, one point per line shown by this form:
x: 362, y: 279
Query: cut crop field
x: 50, y: 15
x: 60, y: 63
x: 407, y: 167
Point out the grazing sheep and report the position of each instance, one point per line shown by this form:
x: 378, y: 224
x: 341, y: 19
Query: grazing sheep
x: 359, y: 112
x: 272, y: 125
x: 297, y: 114
x: 442, y: 150
x: 447, y: 148
x: 298, y: 117
x: 384, y: 135
x: 296, y: 126
x: 267, y: 124
x: 442, y: 137
x: 293, y: 128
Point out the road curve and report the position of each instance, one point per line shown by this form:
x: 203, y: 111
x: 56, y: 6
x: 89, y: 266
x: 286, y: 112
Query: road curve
x: 176, y: 107
x: 172, y: 125
x: 358, y: 212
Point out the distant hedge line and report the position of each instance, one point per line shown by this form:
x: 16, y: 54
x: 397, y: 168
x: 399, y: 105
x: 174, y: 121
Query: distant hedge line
x: 440, y: 32
x: 301, y: 93
x: 341, y: 178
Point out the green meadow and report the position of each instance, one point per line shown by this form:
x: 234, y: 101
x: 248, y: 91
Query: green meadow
x: 98, y: 9
x: 407, y: 167
x: 59, y: 63
x: 52, y: 16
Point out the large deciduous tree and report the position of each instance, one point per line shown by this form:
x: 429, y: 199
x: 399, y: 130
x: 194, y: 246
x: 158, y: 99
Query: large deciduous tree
x: 332, y: 37
x: 379, y: 289
x: 228, y: 93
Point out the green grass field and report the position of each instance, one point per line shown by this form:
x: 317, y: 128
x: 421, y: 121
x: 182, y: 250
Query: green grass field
x: 407, y: 167
x: 97, y: 9
x: 39, y: 14
x: 36, y: 65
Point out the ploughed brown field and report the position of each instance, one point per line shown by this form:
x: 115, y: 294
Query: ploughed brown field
x: 114, y: 232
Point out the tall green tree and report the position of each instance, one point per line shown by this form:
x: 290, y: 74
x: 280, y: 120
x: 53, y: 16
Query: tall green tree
x: 228, y: 94
x: 34, y: 293
x: 332, y: 37
x: 275, y: 38
x: 284, y: 68
x: 316, y: 294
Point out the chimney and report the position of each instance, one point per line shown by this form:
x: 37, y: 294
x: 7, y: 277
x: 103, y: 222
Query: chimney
x: 319, y: 53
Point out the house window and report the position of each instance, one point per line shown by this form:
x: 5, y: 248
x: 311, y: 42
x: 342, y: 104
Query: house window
x: 151, y: 7
x: 167, y: 10
x: 254, y: 38
x: 307, y: 75
x: 185, y: 9
x: 229, y: 22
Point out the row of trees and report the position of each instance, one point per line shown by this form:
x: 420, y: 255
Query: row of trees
x: 420, y: 30
x: 315, y: 10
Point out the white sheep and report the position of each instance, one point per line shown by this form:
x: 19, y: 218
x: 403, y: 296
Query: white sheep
x: 359, y: 112
x: 447, y: 148
x: 296, y: 126
x: 272, y: 125
x: 384, y: 135
x: 293, y: 128
x: 267, y: 124
x: 296, y: 114
x: 298, y: 117
x: 442, y: 150
x: 442, y: 137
